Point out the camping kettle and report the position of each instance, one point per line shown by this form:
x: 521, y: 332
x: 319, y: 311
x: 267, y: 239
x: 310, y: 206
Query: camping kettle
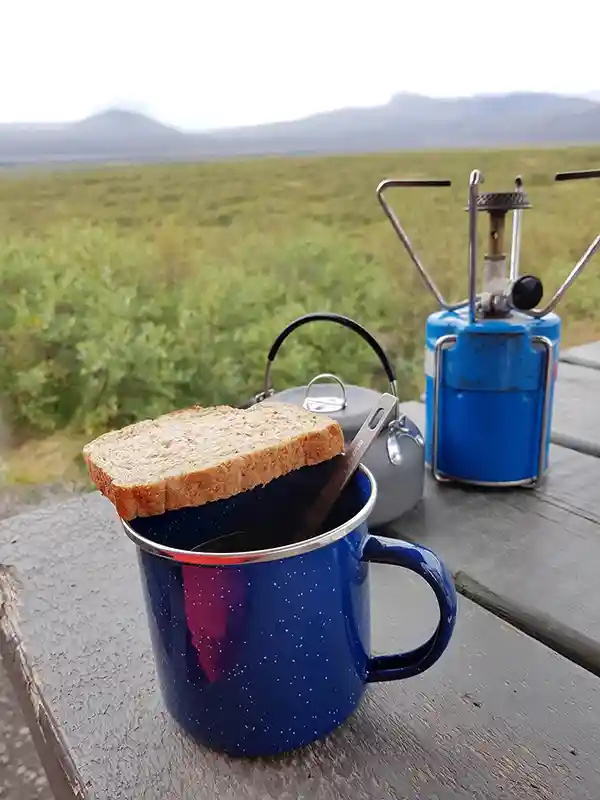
x: 396, y: 458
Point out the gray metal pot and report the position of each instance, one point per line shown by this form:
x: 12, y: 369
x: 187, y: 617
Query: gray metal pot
x: 396, y: 459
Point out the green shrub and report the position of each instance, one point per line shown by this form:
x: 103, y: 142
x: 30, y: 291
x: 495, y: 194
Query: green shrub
x: 98, y: 331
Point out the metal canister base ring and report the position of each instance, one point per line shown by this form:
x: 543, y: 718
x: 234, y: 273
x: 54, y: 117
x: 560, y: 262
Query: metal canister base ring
x: 525, y: 483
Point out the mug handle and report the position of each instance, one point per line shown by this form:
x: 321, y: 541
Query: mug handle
x: 382, y: 550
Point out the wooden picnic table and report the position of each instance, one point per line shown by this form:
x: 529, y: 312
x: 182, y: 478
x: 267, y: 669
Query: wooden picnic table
x: 575, y: 423
x: 511, y: 710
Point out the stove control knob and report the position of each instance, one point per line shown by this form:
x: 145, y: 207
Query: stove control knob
x: 526, y: 292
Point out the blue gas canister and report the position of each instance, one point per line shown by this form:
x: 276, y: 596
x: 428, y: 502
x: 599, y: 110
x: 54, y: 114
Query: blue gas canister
x: 491, y: 359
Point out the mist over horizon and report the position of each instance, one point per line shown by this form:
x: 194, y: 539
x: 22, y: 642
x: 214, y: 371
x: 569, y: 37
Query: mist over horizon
x: 406, y: 122
x: 130, y: 107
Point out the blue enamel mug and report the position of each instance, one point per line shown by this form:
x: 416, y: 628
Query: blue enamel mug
x: 262, y: 651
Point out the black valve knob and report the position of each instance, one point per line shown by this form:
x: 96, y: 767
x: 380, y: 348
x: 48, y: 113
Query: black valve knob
x: 526, y: 292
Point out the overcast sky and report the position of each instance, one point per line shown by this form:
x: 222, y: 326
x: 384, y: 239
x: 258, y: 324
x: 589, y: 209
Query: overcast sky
x: 208, y: 63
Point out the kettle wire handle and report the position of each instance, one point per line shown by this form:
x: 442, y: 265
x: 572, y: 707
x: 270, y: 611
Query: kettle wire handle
x: 340, y: 319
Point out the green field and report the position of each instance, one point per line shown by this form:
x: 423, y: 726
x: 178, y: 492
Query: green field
x: 127, y: 292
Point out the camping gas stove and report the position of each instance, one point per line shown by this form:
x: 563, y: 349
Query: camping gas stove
x: 491, y: 360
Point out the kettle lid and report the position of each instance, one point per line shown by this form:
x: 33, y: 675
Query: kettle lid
x: 346, y: 404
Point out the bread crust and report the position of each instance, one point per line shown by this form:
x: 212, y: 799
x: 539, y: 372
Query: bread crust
x: 233, y: 475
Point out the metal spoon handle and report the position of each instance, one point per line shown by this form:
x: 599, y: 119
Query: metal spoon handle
x: 346, y: 466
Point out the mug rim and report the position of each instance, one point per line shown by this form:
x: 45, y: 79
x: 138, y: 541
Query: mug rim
x: 253, y: 556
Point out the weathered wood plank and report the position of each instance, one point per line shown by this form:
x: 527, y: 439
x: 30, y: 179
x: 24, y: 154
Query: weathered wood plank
x: 577, y: 647
x: 539, y: 549
x: 576, y: 417
x: 500, y: 716
x: 585, y: 355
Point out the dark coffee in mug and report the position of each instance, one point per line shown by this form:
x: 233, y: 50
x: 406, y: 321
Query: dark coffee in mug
x: 260, y: 519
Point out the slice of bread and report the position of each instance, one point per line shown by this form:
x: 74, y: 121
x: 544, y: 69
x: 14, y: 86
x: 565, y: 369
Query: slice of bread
x: 197, y: 455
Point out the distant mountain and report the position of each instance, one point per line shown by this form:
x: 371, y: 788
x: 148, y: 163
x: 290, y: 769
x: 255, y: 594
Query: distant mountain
x: 407, y: 121
x: 114, y: 134
x: 413, y: 122
x: 120, y: 124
